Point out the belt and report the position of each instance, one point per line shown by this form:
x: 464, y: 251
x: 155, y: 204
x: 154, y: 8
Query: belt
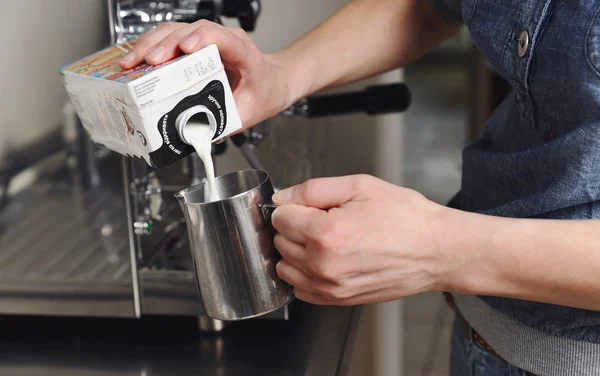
x: 471, y: 334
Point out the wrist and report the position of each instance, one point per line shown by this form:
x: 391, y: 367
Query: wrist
x: 473, y: 248
x: 437, y: 232
x: 462, y: 245
x: 439, y: 241
x: 294, y: 75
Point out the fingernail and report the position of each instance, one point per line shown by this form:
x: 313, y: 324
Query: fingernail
x: 283, y: 196
x: 156, y: 54
x: 190, y: 43
x: 128, y: 58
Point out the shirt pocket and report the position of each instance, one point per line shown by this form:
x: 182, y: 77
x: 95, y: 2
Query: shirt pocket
x: 468, y: 9
x: 565, y: 79
x: 593, y: 43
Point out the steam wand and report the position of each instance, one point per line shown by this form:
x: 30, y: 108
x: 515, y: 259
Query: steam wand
x: 248, y: 149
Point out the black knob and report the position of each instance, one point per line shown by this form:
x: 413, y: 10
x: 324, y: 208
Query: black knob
x: 246, y: 11
x: 374, y: 100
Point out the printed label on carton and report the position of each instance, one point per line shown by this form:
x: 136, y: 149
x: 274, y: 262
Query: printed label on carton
x: 132, y: 111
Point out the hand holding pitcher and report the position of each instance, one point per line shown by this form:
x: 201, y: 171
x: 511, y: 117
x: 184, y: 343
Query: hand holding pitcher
x: 356, y: 240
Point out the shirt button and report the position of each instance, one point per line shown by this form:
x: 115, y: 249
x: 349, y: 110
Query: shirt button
x: 523, y: 44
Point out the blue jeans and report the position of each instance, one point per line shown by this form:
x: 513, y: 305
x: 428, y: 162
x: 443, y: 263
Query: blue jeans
x: 470, y: 359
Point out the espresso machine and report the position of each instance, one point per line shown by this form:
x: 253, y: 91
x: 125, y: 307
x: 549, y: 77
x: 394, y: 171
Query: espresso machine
x: 97, y: 234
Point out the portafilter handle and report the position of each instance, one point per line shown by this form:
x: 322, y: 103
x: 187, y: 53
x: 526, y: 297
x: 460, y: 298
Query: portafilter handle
x: 374, y: 100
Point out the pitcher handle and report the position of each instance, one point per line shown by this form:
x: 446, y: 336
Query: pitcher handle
x: 267, y: 211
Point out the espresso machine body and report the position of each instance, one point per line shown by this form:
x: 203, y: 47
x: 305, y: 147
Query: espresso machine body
x: 99, y: 234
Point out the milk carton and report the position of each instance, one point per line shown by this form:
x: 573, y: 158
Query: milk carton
x: 137, y: 112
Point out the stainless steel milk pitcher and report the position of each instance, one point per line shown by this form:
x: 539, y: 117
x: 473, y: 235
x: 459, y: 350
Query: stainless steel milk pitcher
x: 232, y: 246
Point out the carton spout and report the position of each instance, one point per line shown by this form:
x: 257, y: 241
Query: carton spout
x: 191, y: 116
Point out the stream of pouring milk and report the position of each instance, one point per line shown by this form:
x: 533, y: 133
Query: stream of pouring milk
x: 200, y: 137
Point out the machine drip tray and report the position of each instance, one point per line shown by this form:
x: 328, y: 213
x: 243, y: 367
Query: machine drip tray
x: 66, y: 252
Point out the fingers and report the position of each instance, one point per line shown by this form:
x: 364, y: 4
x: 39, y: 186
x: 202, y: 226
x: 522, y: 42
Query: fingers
x: 292, y: 252
x: 164, y: 43
x: 326, y: 193
x: 296, y: 222
x: 314, y: 298
x: 379, y: 296
x: 168, y: 48
x: 232, y: 48
x: 193, y: 38
x: 295, y: 277
x: 302, y: 281
x: 147, y: 42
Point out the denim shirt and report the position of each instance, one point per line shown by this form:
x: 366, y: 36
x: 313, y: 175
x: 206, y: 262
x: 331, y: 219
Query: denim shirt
x: 539, y: 154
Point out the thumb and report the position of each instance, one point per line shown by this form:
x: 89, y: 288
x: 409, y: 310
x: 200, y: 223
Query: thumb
x: 323, y: 193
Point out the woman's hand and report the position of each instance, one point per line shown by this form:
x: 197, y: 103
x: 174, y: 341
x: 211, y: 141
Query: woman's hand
x: 259, y: 81
x: 356, y: 240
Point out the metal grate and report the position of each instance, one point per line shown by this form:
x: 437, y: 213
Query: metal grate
x: 56, y: 234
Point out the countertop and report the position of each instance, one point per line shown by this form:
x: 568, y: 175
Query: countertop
x: 315, y: 341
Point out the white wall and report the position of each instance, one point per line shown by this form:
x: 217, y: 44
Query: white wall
x: 361, y: 145
x: 38, y: 37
